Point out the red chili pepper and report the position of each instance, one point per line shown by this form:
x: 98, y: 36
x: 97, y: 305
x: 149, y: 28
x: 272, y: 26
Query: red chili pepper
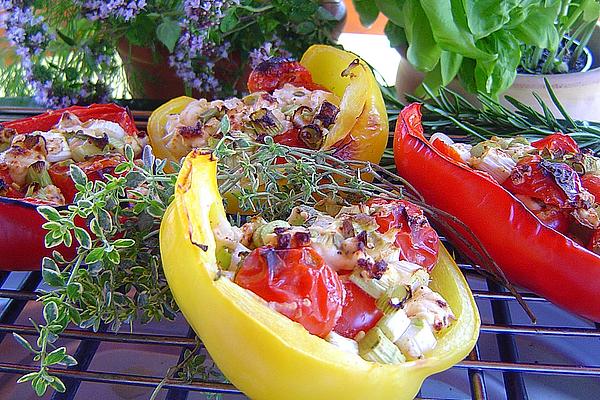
x: 21, y: 234
x: 528, y: 252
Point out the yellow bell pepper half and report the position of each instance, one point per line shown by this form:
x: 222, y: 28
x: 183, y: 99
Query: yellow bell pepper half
x: 361, y: 129
x: 265, y: 354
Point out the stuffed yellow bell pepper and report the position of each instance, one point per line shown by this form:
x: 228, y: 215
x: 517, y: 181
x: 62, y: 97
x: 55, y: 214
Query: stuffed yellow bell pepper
x: 261, y: 345
x: 329, y: 100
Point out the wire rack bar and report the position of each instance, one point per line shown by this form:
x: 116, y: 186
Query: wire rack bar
x: 123, y: 379
x: 513, y: 381
x: 476, y: 377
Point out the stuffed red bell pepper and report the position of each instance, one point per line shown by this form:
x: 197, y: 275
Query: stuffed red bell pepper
x: 35, y: 155
x: 531, y: 205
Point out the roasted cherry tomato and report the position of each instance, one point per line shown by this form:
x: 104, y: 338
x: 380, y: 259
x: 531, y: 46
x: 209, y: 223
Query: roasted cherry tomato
x: 275, y: 72
x: 528, y: 178
x: 290, y: 138
x: 6, y: 187
x: 95, y: 168
x: 359, y: 311
x: 418, y: 241
x: 297, y: 283
x: 557, y: 142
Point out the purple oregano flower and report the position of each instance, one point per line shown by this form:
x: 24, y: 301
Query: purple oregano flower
x: 195, y: 54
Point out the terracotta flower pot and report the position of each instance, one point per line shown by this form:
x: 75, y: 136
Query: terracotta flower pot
x: 579, y: 92
x: 148, y: 73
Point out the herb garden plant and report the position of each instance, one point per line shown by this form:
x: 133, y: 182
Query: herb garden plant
x: 485, y: 43
x: 66, y: 52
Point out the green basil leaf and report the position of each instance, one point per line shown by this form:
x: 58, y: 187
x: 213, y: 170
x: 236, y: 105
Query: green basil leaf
x: 495, y: 77
x: 538, y: 28
x: 433, y: 80
x: 423, y: 52
x: 449, y: 65
x: 367, y: 11
x: 466, y: 74
x: 591, y: 10
x: 395, y: 34
x: 449, y: 26
x: 486, y: 16
x: 392, y: 9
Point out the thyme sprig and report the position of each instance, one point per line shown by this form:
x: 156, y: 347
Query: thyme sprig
x: 116, y: 276
x: 452, y: 113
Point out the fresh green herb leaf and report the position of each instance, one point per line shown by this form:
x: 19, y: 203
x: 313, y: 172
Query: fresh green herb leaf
x: 168, y: 33
x: 56, y: 356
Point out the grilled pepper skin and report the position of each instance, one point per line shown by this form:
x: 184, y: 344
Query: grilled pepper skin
x: 21, y: 233
x: 262, y: 352
x: 361, y: 129
x: 529, y: 253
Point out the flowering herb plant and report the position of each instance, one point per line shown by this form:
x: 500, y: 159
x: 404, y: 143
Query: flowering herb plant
x: 66, y: 52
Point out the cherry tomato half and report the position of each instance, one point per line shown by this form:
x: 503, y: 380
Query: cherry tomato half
x: 291, y: 138
x: 296, y: 283
x: 529, y: 179
x: 417, y: 240
x: 359, y: 312
x: 6, y: 184
x: 276, y: 72
x: 557, y: 142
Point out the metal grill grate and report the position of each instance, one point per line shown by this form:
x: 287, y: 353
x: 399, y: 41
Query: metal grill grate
x: 513, y: 359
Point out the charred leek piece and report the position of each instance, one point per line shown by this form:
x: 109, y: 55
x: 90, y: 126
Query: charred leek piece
x: 38, y: 174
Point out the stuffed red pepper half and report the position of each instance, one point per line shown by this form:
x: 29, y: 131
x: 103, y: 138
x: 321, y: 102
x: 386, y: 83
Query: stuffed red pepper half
x: 533, y: 206
x: 35, y: 157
